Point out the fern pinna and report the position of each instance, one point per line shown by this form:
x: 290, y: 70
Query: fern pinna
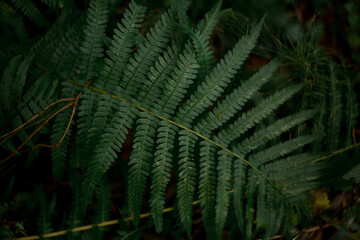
x: 194, y: 120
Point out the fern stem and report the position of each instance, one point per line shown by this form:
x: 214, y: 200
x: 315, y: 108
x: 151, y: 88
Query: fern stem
x: 180, y: 126
x: 337, y: 152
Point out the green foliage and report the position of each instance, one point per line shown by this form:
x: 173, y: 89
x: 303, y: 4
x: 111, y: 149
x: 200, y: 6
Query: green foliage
x: 210, y: 129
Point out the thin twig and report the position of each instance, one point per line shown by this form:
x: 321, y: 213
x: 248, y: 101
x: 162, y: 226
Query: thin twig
x: 75, y: 103
x: 34, y: 123
x: 316, y: 228
x: 38, y: 129
x: 337, y: 152
x: 36, y: 116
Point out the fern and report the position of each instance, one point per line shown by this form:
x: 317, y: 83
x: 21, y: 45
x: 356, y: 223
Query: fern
x: 19, y: 81
x: 119, y: 53
x: 223, y: 188
x: 255, y: 115
x: 15, y: 22
x: 200, y: 40
x: 235, y: 101
x: 29, y: 9
x: 207, y: 185
x: 7, y: 79
x: 202, y: 124
x: 103, y: 207
x: 216, y: 81
x: 161, y: 171
x: 91, y: 50
x: 124, y: 118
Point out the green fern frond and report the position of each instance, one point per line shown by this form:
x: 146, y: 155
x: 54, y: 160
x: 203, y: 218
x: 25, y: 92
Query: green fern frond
x: 105, y: 151
x: 91, y: 50
x: 15, y: 21
x: 234, y: 102
x: 200, y: 39
x: 160, y: 98
x: 181, y: 78
x: 204, y: 55
x: 143, y: 139
x: 287, y: 170
x: 13, y: 81
x: 71, y: 64
x: 187, y: 173
x: 263, y: 135
x: 281, y: 149
x: 141, y: 160
x: 94, y: 30
x: 87, y: 104
x: 127, y: 233
x: 224, y: 185
x: 119, y: 53
x: 47, y: 44
x: 181, y: 7
x: 161, y: 171
x: 20, y: 79
x: 146, y: 54
x: 240, y: 169
x: 255, y: 115
x: 59, y: 154
x: 150, y: 49
x: 207, y: 185
x: 29, y: 9
x: 72, y: 57
x: 7, y: 81
x: 37, y: 98
x: 262, y: 203
x: 218, y: 79
x: 174, y: 92
x: 136, y: 71
x: 275, y: 216
x: 66, y: 45
x: 151, y: 91
x: 250, y: 205
x: 206, y: 26
x: 121, y: 47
